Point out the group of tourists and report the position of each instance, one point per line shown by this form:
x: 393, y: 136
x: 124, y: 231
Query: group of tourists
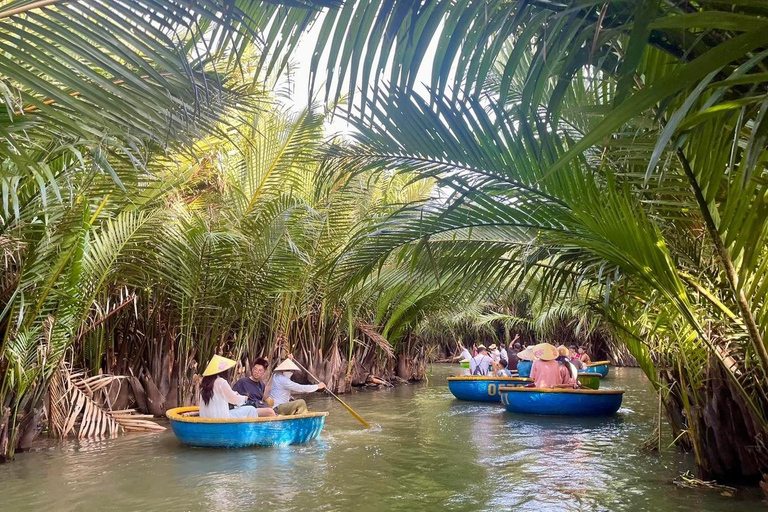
x: 251, y: 396
x: 552, y: 366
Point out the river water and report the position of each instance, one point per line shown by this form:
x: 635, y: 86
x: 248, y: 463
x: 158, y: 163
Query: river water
x: 427, y: 452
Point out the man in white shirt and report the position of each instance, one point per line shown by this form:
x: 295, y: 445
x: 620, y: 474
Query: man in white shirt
x: 479, y: 364
x: 282, y: 385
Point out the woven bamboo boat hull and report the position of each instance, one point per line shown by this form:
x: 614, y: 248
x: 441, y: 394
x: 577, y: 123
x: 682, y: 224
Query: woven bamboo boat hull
x: 600, y: 367
x: 481, y: 389
x: 192, y: 430
x: 562, y: 402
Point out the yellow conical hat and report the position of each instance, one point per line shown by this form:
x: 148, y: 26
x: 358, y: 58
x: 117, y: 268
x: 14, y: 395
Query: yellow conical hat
x: 545, y: 352
x: 288, y: 366
x: 217, y: 365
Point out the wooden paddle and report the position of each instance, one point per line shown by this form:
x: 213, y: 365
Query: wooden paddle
x: 342, y: 402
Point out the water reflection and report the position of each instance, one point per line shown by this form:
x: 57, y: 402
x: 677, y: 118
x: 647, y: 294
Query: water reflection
x: 428, y: 452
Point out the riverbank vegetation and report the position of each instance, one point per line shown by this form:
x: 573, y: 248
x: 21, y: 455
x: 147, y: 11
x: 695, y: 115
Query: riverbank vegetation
x: 602, y: 160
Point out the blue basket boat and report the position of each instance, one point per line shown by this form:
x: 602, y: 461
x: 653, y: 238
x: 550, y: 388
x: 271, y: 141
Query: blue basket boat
x: 565, y: 402
x: 600, y: 367
x: 481, y: 389
x: 524, y: 368
x: 193, y: 430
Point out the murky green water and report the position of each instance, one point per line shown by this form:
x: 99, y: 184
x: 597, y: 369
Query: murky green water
x: 429, y: 452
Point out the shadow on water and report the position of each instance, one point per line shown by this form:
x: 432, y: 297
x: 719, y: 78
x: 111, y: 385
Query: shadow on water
x: 427, y: 451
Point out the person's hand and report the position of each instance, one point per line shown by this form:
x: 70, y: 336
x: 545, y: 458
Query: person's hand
x: 290, y: 356
x: 517, y: 337
x: 320, y: 386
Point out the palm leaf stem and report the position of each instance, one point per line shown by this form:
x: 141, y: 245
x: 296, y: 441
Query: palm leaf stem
x: 25, y: 8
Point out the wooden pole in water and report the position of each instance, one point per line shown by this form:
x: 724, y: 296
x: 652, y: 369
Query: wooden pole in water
x: 342, y: 402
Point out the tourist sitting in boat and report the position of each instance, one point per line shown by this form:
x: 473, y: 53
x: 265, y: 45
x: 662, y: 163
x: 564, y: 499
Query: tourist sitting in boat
x: 583, y: 356
x: 253, y: 387
x: 282, y: 386
x: 495, y: 354
x: 573, y: 356
x: 569, y: 377
x: 479, y: 364
x: 503, y: 353
x: 545, y: 371
x: 216, y: 395
x: 503, y: 371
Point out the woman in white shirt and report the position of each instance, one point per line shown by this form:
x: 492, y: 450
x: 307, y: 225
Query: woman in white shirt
x: 216, y: 394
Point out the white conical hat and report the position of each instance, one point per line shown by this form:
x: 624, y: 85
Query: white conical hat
x: 526, y: 355
x: 287, y: 366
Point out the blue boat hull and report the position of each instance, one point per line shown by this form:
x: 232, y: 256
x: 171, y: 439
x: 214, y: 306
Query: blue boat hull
x: 239, y: 433
x: 524, y: 368
x: 567, y: 402
x: 481, y: 389
x: 602, y: 369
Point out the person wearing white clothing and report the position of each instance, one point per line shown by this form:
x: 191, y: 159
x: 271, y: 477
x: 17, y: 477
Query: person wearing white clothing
x: 282, y: 386
x: 479, y: 364
x: 216, y: 395
x: 495, y: 353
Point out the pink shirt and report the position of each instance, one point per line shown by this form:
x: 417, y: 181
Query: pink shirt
x: 546, y: 374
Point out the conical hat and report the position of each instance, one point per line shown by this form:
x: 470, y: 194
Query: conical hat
x: 526, y: 355
x: 217, y: 365
x: 545, y: 352
x: 288, y: 366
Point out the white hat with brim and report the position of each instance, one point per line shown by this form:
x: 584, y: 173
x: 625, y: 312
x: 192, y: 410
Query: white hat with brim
x: 218, y: 364
x: 493, y: 346
x: 287, y: 366
x: 545, y: 352
x: 526, y: 355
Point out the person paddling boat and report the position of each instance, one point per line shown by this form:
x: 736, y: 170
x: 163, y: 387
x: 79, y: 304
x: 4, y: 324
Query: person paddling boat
x: 282, y: 386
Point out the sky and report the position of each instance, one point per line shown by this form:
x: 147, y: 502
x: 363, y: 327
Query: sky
x: 299, y: 78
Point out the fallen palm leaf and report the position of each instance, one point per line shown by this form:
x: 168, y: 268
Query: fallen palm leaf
x: 74, y: 397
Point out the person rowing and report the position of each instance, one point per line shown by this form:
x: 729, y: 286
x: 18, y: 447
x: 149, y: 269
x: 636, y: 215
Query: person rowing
x: 253, y: 387
x: 216, y: 395
x: 282, y: 386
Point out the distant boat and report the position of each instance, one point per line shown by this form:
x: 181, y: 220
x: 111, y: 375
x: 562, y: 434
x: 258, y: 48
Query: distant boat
x: 566, y: 402
x: 193, y: 430
x: 481, y: 389
x: 590, y: 380
x: 600, y: 367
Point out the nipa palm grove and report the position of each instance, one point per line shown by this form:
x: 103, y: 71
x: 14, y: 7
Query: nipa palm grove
x: 589, y: 170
